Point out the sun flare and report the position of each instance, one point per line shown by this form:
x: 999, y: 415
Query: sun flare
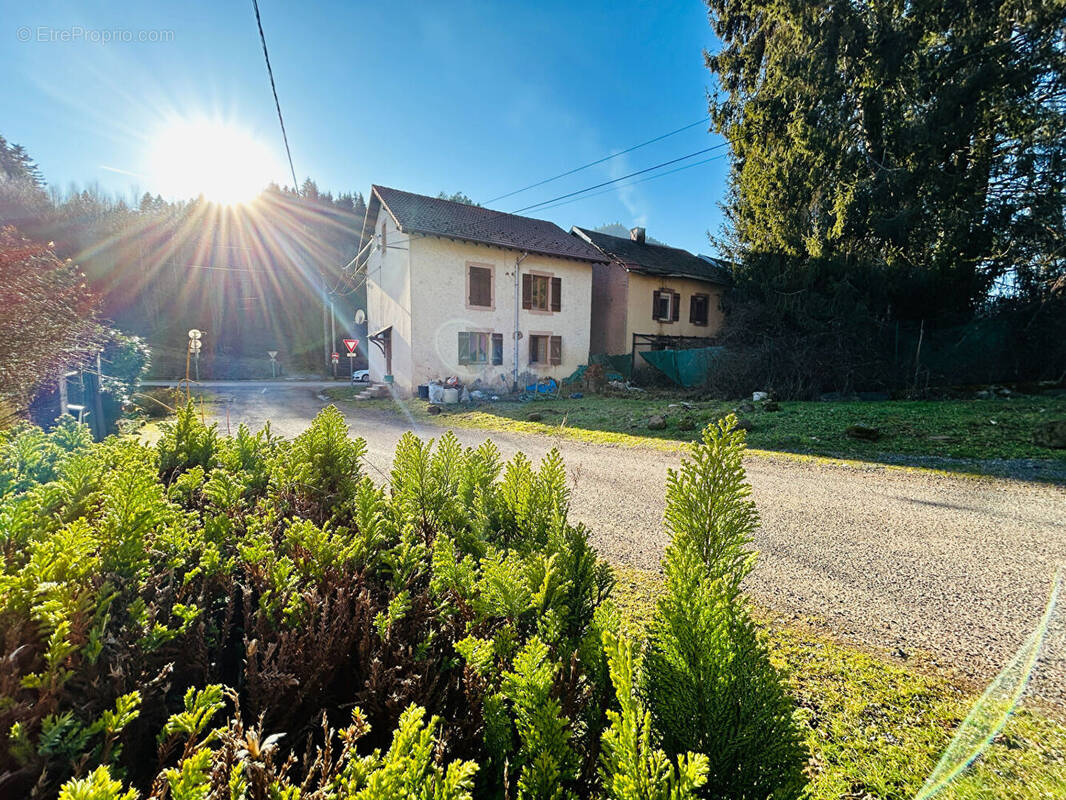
x: 223, y: 163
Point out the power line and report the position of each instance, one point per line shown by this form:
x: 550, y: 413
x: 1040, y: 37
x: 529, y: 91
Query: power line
x: 599, y: 161
x: 634, y: 183
x: 624, y: 177
x: 274, y: 88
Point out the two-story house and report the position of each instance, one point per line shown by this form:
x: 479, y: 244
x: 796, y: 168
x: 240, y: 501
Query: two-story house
x: 495, y: 299
x: 650, y: 296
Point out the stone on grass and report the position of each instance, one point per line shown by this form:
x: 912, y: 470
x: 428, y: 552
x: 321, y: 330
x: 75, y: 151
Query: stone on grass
x: 534, y: 416
x: 864, y: 432
x: 1051, y: 434
x: 771, y: 405
x: 433, y: 410
x: 657, y: 423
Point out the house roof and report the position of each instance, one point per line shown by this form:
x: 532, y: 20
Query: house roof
x: 657, y: 259
x: 433, y: 216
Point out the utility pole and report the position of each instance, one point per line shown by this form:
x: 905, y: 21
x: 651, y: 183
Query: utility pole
x: 325, y: 323
x: 332, y: 335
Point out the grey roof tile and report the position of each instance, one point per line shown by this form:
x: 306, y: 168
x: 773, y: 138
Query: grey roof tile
x: 417, y: 213
x: 657, y: 259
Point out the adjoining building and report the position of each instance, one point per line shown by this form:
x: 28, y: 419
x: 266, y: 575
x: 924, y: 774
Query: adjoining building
x: 494, y: 299
x: 651, y: 297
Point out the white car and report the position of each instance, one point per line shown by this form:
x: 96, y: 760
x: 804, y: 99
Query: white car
x: 360, y: 376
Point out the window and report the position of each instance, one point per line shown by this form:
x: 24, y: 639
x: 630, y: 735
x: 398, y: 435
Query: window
x: 542, y: 292
x: 697, y: 309
x: 544, y: 349
x: 475, y: 347
x: 665, y: 305
x: 479, y: 286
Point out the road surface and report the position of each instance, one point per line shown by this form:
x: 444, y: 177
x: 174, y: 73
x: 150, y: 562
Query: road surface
x: 908, y: 560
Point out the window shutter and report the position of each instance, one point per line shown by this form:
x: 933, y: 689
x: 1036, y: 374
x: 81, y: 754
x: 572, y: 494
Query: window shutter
x: 677, y: 307
x: 532, y: 349
x: 464, y: 347
x: 556, y: 346
x: 655, y: 304
x: 557, y: 294
x: 527, y: 291
x: 497, y: 348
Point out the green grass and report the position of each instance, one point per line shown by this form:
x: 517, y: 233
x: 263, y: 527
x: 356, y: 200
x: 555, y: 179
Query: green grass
x: 875, y: 728
x: 911, y: 431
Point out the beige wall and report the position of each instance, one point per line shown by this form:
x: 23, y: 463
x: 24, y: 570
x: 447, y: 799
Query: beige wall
x: 388, y: 299
x: 429, y: 310
x: 639, y: 319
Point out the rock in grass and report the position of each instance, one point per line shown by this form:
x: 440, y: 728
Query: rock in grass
x: 433, y: 410
x: 745, y: 424
x: 771, y: 405
x: 534, y: 416
x: 1051, y: 434
x: 863, y: 432
x: 657, y: 423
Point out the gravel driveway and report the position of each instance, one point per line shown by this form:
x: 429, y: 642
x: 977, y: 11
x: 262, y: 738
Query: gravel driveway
x: 907, y: 560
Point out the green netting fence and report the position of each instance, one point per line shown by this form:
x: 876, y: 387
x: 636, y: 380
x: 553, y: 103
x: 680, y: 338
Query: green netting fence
x: 688, y: 368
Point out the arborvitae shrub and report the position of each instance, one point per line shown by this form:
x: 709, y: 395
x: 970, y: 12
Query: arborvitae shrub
x: 249, y: 617
x: 707, y: 677
x: 139, y: 582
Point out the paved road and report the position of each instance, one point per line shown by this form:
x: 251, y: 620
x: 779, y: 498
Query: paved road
x: 901, y: 559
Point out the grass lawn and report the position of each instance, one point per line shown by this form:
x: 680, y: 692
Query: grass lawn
x: 1000, y: 428
x: 875, y: 728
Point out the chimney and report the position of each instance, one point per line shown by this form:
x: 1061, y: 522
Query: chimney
x: 637, y: 235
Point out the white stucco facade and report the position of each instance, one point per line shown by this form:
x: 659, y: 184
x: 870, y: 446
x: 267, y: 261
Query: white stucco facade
x: 418, y: 285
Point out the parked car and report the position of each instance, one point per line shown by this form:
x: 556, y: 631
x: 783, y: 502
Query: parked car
x: 360, y: 376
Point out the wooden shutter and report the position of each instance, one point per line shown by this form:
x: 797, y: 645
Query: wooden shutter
x: 677, y: 307
x: 527, y: 291
x: 480, y: 280
x: 556, y: 350
x: 497, y: 348
x: 655, y: 304
x: 464, y: 347
x: 557, y: 294
x: 533, y: 349
x: 698, y: 306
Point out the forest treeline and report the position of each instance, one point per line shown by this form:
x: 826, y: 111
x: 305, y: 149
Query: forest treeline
x: 254, y: 278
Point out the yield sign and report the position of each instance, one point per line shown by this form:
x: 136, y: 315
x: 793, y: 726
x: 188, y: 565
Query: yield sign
x: 351, y: 344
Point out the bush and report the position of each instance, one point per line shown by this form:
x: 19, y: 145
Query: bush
x: 707, y: 676
x: 251, y: 617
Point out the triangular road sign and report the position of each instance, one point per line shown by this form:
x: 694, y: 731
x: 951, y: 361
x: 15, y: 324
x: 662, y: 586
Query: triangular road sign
x: 351, y: 344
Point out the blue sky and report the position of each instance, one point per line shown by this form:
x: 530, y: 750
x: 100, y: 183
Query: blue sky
x: 479, y: 97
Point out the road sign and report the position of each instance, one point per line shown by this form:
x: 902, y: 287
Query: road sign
x: 351, y: 344
x: 335, y: 357
x: 273, y: 354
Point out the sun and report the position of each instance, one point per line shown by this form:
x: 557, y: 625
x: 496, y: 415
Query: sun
x: 224, y: 163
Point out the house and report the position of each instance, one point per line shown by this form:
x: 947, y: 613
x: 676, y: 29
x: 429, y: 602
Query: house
x: 650, y: 296
x: 494, y: 299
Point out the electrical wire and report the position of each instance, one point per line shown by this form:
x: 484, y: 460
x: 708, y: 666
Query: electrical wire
x: 622, y: 178
x: 598, y: 161
x: 274, y: 89
x: 634, y: 183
